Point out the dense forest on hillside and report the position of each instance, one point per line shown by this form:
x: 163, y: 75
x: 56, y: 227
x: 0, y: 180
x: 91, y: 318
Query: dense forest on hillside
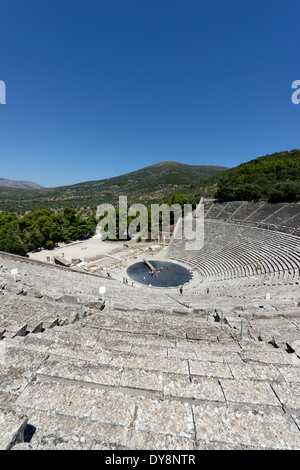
x: 42, y: 229
x: 272, y: 178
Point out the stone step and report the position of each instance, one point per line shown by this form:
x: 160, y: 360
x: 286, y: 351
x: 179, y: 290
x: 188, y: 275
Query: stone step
x: 67, y: 416
x: 232, y: 428
x: 12, y: 427
x: 51, y: 431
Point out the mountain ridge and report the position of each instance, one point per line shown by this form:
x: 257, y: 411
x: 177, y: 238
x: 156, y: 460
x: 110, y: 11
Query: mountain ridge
x: 150, y: 184
x: 206, y: 169
x: 8, y: 183
x: 273, y: 178
x: 181, y: 173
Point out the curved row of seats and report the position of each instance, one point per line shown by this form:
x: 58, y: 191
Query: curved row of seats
x: 232, y: 250
x: 282, y: 217
x: 116, y: 381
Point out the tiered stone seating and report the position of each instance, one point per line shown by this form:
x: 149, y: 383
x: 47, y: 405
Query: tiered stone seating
x: 95, y: 389
x: 262, y: 212
x: 279, y: 217
x: 215, y: 209
x: 280, y: 214
x: 235, y: 251
x: 244, y: 211
x: 284, y: 214
x: 229, y: 209
x: 155, y: 369
x: 293, y: 222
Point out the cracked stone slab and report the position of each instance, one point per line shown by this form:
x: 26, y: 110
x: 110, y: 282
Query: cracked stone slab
x: 288, y: 394
x: 81, y: 402
x: 204, y: 388
x: 252, y: 428
x: 252, y: 346
x: 290, y: 373
x: 182, y: 353
x: 74, y: 350
x: 217, y: 346
x: 150, y: 350
x: 13, y: 380
x: 164, y: 417
x: 266, y: 357
x: 85, y: 371
x: 122, y: 346
x: 23, y: 357
x: 86, y: 336
x: 54, y: 431
x: 174, y: 331
x: 246, y: 391
x: 34, y: 342
x: 189, y: 344
x: 255, y: 371
x: 210, y: 369
x: 171, y: 365
x: 218, y: 356
x: 141, y: 379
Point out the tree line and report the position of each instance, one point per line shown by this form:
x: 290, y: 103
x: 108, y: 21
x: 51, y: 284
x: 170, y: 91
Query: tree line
x: 42, y: 229
x: 143, y: 222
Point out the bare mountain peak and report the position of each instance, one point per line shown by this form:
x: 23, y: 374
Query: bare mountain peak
x: 6, y: 183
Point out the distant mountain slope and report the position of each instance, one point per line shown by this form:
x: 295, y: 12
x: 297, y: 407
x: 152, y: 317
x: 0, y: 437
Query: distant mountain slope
x: 272, y: 178
x: 149, y: 184
x: 19, y: 184
x: 151, y: 180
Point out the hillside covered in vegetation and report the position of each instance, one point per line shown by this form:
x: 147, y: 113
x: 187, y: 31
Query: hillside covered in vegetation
x: 272, y: 178
x: 148, y: 185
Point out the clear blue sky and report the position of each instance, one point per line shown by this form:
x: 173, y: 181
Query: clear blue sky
x: 98, y: 88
